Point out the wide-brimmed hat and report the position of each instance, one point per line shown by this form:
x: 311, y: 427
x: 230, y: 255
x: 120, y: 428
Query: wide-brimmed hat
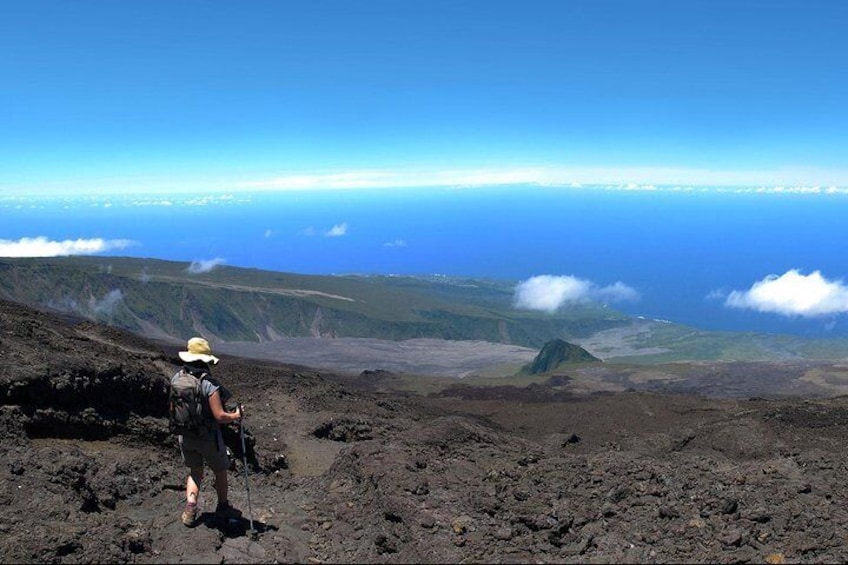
x: 198, y: 350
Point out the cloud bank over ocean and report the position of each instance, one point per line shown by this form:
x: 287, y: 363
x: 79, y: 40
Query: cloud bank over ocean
x: 774, y: 181
x: 549, y: 292
x: 793, y: 294
x: 44, y: 247
x: 206, y: 192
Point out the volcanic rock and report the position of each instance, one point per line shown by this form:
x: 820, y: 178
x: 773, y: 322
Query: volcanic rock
x: 90, y: 473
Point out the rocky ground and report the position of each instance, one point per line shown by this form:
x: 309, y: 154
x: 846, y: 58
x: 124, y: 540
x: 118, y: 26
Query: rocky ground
x: 352, y: 355
x: 338, y: 473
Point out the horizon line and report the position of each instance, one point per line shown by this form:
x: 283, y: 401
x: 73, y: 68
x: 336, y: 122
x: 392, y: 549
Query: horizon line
x: 785, y: 180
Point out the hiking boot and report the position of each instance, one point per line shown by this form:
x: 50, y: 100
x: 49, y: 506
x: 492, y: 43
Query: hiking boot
x: 226, y: 511
x: 189, y: 516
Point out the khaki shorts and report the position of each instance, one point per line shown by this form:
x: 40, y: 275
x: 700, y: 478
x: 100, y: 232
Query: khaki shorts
x: 209, y: 448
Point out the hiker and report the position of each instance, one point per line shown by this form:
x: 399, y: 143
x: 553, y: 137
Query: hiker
x: 197, y: 412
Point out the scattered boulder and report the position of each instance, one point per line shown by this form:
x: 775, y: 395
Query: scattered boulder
x: 345, y: 430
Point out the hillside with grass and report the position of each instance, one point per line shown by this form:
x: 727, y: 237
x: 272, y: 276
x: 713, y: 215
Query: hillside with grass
x: 241, y: 306
x: 164, y: 299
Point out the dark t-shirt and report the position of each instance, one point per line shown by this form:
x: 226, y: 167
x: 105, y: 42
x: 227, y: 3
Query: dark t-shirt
x: 208, y: 386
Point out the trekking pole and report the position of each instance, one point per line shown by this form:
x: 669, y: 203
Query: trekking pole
x: 244, y: 462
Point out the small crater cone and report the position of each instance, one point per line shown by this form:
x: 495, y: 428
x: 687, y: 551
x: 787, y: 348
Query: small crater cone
x: 556, y: 353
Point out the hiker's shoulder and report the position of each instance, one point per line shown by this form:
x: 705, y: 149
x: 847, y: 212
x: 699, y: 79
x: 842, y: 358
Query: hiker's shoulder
x: 209, y: 385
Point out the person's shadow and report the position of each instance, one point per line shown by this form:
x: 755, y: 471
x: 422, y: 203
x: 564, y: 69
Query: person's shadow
x: 234, y: 527
x: 238, y: 527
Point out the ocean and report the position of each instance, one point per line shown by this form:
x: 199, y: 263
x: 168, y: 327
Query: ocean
x: 681, y: 251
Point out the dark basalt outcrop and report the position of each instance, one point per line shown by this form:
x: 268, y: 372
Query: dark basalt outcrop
x: 68, y: 378
x: 338, y: 474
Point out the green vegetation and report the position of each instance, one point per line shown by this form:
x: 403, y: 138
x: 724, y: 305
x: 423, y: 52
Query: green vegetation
x: 555, y: 354
x: 162, y: 298
x: 669, y: 343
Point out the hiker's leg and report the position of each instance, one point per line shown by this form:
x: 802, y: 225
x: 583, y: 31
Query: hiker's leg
x: 193, y: 481
x: 221, y: 487
x: 220, y: 463
x: 193, y: 459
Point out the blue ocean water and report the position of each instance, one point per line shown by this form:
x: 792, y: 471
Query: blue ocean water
x: 678, y: 250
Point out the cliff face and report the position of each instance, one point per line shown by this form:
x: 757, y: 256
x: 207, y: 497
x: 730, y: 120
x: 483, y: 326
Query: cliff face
x: 339, y: 474
x: 555, y: 353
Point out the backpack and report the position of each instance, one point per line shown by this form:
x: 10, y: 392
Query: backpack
x: 186, y: 405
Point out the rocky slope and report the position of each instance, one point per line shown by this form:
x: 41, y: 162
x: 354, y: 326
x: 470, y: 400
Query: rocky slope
x: 339, y: 474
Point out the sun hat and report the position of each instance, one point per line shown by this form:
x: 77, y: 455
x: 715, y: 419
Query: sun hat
x: 198, y: 350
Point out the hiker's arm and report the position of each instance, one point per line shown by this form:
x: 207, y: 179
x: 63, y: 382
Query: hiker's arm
x: 222, y: 416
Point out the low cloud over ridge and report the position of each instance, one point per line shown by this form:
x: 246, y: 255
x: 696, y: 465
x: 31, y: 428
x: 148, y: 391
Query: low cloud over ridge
x: 106, y: 305
x: 204, y: 266
x: 793, y: 294
x: 548, y: 292
x: 43, y: 247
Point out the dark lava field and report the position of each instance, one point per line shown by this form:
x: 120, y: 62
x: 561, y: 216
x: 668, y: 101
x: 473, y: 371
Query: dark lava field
x: 341, y: 473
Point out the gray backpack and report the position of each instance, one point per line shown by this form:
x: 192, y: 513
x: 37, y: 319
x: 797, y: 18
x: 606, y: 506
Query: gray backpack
x: 186, y: 406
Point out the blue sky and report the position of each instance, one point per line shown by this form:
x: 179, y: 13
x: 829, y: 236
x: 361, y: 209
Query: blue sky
x: 164, y: 96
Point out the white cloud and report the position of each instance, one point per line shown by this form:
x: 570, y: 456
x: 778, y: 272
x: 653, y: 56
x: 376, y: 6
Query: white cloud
x: 202, y: 188
x: 185, y: 200
x: 204, y: 266
x: 395, y: 243
x: 610, y: 177
x: 43, y: 247
x: 546, y: 292
x: 617, y: 292
x: 549, y: 292
x: 717, y: 294
x: 337, y: 230
x: 793, y: 294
